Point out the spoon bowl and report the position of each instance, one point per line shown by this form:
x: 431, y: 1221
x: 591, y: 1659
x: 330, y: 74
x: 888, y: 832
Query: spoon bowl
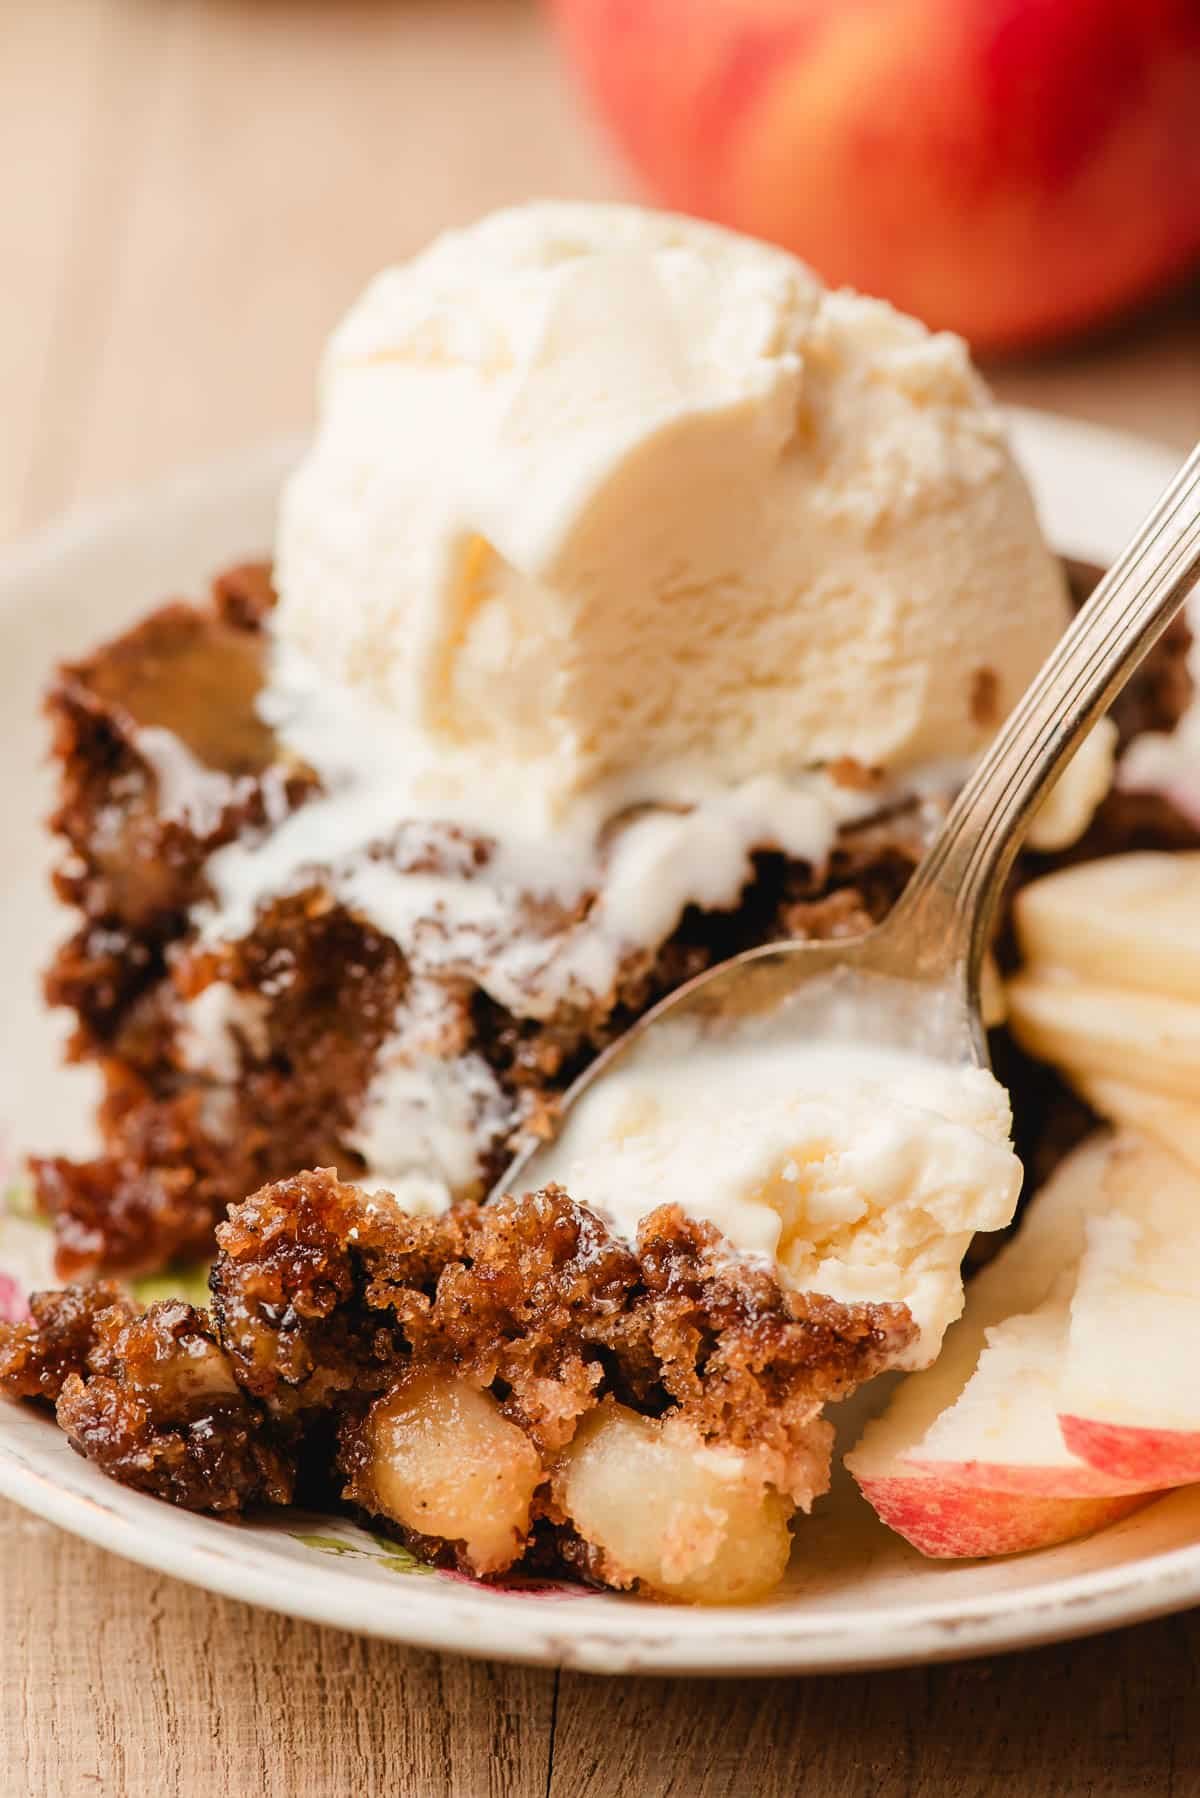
x: 913, y: 982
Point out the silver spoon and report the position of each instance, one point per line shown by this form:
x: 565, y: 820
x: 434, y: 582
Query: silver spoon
x: 914, y: 980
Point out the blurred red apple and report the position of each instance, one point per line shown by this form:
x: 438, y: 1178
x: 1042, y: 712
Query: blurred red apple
x: 1012, y: 169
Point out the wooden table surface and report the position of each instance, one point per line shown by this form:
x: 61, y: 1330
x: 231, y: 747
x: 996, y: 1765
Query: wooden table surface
x: 190, y: 191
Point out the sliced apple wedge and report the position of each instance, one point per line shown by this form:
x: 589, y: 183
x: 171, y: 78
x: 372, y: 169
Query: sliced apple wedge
x: 965, y: 1523
x: 1129, y: 1396
x: 1129, y: 921
x: 993, y: 1475
x: 1110, y: 993
x: 1143, y: 1039
x: 1110, y: 990
x: 969, y: 1459
x: 1002, y: 1430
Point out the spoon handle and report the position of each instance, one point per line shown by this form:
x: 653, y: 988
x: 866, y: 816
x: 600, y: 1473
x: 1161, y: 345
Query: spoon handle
x: 952, y: 897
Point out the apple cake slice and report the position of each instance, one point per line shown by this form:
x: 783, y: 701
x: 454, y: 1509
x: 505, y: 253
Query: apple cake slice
x: 491, y: 1384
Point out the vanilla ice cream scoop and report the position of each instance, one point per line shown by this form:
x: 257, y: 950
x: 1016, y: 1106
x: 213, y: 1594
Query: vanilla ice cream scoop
x: 607, y: 506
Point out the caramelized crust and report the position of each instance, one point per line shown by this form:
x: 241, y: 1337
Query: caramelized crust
x: 312, y: 1283
x: 149, y: 1396
x: 318, y: 1289
x: 158, y: 1409
x: 438, y: 1370
x: 38, y: 1355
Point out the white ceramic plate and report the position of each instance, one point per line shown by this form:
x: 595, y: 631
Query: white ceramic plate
x: 856, y: 1595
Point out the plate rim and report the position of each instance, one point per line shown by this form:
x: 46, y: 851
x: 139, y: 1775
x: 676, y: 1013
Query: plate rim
x: 474, y: 1622
x: 636, y: 1637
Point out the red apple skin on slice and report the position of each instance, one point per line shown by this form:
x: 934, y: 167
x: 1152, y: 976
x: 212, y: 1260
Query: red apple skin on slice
x: 1128, y: 1401
x: 1131, y: 1452
x: 1088, y: 1480
x: 948, y: 1522
x: 963, y: 1505
x: 968, y: 1459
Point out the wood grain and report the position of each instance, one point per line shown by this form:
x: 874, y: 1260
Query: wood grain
x: 117, y: 1681
x: 1108, y: 1718
x: 231, y: 174
x: 189, y: 194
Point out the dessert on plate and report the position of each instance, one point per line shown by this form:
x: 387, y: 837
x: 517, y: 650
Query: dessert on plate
x: 638, y: 601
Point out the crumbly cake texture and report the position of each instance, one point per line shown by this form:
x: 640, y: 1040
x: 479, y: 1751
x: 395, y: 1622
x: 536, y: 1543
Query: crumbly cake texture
x: 149, y: 1396
x: 336, y: 1316
x: 163, y: 760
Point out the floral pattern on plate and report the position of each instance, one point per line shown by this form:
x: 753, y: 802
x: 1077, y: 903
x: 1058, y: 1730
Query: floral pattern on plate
x: 395, y: 1558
